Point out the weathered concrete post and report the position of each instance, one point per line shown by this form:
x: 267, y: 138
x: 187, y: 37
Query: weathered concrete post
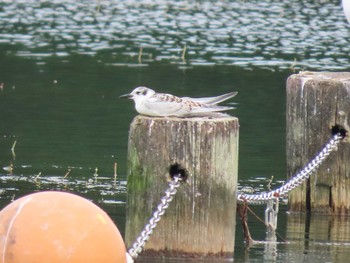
x: 318, y: 102
x: 200, y: 221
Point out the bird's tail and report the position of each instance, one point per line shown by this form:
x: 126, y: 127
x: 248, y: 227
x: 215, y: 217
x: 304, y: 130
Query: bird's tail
x: 214, y: 100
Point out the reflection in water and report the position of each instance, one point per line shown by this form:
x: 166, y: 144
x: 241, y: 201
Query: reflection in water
x: 270, y: 246
x: 326, y: 238
x: 315, y: 238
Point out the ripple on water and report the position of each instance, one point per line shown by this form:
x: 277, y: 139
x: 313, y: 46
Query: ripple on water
x: 280, y: 32
x: 112, y: 190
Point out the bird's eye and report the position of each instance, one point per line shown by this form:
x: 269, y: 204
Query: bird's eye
x: 138, y: 92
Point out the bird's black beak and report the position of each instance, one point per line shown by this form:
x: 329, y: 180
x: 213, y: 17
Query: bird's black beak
x: 126, y: 96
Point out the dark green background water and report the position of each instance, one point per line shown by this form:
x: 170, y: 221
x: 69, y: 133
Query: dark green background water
x: 63, y: 65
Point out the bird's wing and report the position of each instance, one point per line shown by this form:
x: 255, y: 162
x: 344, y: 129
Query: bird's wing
x: 213, y: 100
x: 164, y: 105
x: 211, y: 108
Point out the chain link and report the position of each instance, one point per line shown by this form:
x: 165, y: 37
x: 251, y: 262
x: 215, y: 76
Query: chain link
x: 147, y: 231
x: 296, y: 180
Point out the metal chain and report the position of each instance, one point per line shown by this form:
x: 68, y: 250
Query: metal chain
x: 296, y: 180
x: 147, y: 231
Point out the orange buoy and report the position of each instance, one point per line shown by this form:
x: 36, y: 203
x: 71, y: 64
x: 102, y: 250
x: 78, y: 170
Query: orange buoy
x: 58, y: 227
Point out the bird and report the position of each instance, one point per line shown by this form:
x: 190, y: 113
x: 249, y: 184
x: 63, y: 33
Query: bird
x: 150, y: 103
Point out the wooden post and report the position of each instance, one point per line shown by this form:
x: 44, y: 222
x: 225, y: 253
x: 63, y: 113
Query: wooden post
x: 200, y: 221
x: 316, y: 104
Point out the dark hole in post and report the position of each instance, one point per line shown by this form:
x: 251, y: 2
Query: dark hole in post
x: 339, y: 129
x: 177, y: 170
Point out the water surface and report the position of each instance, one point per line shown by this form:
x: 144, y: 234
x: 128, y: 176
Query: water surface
x: 63, y: 65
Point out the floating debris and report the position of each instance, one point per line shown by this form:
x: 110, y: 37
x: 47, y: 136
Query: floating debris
x: 140, y: 56
x: 115, y: 170
x: 184, y: 53
x: 8, y: 168
x: 37, y: 176
x: 67, y: 173
x: 96, y: 174
x: 13, y: 148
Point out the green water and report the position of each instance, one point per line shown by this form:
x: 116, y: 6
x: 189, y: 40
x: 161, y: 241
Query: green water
x: 64, y: 64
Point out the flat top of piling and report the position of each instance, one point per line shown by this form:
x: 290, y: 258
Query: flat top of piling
x: 189, y: 119
x: 341, y: 76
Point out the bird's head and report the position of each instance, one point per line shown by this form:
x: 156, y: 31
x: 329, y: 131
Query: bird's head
x: 139, y: 93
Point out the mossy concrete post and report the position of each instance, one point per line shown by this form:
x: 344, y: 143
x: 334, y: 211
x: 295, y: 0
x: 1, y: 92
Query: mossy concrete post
x: 200, y: 221
x: 317, y: 103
